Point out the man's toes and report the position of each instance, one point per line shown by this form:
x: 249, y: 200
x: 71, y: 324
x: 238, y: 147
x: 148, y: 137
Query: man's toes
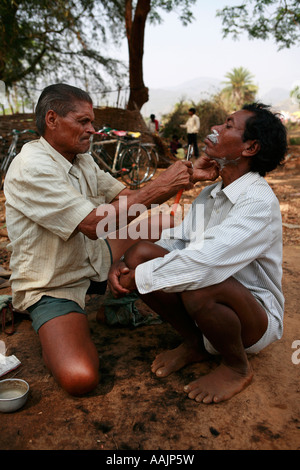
x: 162, y: 372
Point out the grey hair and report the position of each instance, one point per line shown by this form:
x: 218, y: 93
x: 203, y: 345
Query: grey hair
x: 61, y: 98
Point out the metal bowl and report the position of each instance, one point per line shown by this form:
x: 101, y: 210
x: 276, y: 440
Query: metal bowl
x: 13, y: 394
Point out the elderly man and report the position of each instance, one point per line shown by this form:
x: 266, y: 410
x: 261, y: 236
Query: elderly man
x: 54, y: 191
x: 220, y: 288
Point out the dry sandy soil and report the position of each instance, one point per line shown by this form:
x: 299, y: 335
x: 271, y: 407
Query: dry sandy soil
x: 132, y: 409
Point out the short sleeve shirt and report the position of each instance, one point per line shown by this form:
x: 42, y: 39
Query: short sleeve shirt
x: 46, y: 198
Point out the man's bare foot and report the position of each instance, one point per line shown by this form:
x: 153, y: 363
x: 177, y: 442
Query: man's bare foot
x: 221, y: 384
x: 170, y: 361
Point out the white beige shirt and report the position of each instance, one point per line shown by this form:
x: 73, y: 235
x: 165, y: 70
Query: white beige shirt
x: 242, y: 237
x: 192, y: 125
x: 46, y: 198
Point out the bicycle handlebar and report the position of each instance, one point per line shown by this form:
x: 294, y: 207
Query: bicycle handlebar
x: 15, y: 131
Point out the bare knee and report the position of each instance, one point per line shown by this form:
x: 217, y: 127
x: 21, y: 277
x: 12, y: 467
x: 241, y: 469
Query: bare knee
x: 197, y: 303
x: 141, y: 252
x: 78, y: 378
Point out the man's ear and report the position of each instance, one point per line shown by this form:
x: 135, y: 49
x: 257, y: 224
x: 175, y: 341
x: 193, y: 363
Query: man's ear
x: 252, y: 147
x: 51, y: 119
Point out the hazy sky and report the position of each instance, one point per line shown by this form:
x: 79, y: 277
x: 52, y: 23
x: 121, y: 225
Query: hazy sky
x: 174, y: 54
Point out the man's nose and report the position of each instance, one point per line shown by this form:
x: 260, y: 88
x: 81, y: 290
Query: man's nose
x: 91, y: 129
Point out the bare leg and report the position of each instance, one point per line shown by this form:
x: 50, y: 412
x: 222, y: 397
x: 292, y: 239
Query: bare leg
x: 170, y: 307
x: 227, y: 314
x: 70, y: 353
x: 232, y: 320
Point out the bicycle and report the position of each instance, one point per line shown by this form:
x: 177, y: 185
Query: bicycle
x: 13, y: 149
x: 131, y: 159
x: 154, y: 159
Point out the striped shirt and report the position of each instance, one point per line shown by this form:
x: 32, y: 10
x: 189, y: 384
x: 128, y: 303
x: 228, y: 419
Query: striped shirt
x: 46, y: 198
x: 241, y: 237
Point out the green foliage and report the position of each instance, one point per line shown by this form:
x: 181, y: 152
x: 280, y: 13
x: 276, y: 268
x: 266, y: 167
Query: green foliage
x: 171, y: 122
x: 66, y: 40
x: 295, y: 141
x: 56, y: 40
x: 295, y: 94
x: 181, y: 7
x: 264, y: 19
x: 210, y: 111
x: 239, y: 88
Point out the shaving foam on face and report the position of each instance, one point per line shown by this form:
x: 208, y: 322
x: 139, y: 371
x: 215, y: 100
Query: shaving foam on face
x: 223, y: 162
x: 213, y: 137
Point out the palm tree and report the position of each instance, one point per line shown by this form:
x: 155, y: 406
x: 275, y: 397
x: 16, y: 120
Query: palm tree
x: 240, y: 88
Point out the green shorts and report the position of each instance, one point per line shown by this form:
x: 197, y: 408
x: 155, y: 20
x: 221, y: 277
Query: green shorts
x: 50, y: 307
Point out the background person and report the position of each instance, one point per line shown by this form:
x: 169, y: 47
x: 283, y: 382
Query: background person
x: 192, y: 127
x: 153, y: 125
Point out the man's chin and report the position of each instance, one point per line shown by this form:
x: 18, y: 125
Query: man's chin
x: 84, y: 148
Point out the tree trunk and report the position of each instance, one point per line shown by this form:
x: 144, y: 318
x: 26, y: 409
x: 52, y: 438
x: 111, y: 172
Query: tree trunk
x: 135, y: 31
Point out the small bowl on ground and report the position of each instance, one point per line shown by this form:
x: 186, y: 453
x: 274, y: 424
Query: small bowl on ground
x: 13, y: 394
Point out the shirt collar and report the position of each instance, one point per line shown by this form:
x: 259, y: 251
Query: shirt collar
x: 56, y: 155
x: 237, y: 187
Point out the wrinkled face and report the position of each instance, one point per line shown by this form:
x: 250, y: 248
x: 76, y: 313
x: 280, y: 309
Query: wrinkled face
x: 226, y: 141
x: 72, y: 132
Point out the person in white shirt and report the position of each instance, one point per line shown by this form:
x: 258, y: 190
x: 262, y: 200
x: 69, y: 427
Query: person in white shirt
x: 217, y: 279
x: 192, y: 127
x: 56, y: 199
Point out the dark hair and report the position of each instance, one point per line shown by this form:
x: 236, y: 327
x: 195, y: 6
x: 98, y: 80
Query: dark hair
x: 61, y: 98
x: 193, y: 110
x: 268, y: 129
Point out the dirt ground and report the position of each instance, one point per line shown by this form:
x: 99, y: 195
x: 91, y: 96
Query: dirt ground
x: 132, y: 409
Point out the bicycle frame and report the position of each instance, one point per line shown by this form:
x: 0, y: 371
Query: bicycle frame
x: 128, y: 160
x: 111, y: 169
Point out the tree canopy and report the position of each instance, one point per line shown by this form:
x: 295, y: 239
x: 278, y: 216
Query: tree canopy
x: 264, y: 19
x: 67, y: 40
x: 239, y: 87
x: 58, y: 40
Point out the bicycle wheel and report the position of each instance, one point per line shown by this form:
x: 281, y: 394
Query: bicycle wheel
x: 102, y: 159
x: 5, y: 165
x: 135, y: 163
x: 153, y: 161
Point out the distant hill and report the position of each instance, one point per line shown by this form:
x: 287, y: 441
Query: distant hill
x: 161, y: 101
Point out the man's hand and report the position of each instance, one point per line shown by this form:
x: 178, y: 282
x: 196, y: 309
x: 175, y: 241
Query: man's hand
x: 205, y: 169
x: 117, y: 269
x: 178, y: 176
x: 167, y: 184
x: 127, y: 280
